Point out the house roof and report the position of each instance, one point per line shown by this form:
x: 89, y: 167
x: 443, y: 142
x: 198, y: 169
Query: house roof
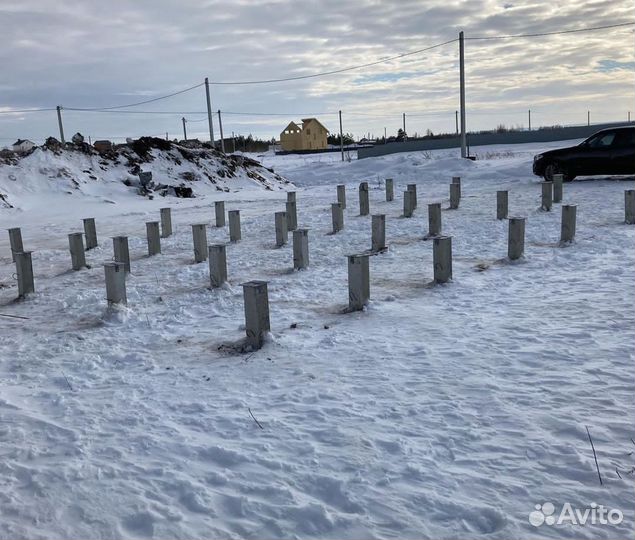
x: 291, y: 125
x: 20, y: 141
x: 307, y: 120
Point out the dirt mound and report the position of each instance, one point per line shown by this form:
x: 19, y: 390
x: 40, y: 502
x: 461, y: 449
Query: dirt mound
x: 177, y: 169
x: 143, y: 145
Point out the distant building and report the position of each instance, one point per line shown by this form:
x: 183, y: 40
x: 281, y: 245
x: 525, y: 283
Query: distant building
x: 311, y: 136
x: 102, y: 146
x: 23, y: 145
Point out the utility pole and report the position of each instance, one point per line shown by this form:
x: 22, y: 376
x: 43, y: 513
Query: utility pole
x: 184, y: 130
x: 166, y: 135
x: 529, y: 114
x: 220, y: 126
x: 456, y: 121
x: 404, y: 125
x: 59, y: 122
x: 384, y: 135
x: 462, y: 84
x: 209, y: 112
x: 588, y: 118
x: 341, y: 137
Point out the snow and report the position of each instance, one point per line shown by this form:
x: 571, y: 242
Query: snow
x: 438, y: 412
x: 59, y: 174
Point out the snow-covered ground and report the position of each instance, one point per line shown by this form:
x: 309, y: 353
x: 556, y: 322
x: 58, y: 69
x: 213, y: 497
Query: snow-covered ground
x: 439, y: 412
x: 52, y: 173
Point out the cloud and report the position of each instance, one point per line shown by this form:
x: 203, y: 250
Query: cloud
x: 97, y: 54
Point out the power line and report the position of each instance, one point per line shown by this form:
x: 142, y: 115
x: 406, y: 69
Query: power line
x: 551, y: 33
x: 244, y: 113
x: 300, y: 77
x: 137, y: 103
x: 108, y: 111
x: 199, y: 112
x: 111, y: 108
x: 335, y: 71
x: 351, y: 68
x: 233, y: 113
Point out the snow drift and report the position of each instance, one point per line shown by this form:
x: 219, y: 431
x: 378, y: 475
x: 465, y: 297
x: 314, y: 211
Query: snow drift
x: 182, y: 170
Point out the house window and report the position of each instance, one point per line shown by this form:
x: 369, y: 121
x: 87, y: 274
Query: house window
x: 308, y: 131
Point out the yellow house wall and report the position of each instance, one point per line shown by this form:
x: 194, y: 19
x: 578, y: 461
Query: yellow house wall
x: 291, y: 141
x: 313, y: 137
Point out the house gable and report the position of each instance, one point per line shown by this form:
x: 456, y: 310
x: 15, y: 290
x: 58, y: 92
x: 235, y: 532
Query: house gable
x: 291, y: 129
x: 306, y: 122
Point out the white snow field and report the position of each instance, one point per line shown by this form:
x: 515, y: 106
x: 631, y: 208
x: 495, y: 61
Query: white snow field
x: 443, y: 411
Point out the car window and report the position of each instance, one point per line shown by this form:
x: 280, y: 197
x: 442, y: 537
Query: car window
x: 603, y: 140
x: 625, y: 138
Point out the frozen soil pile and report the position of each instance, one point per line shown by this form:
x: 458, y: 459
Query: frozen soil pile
x: 177, y: 169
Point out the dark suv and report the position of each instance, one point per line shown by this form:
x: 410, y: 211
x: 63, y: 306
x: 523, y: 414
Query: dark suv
x: 610, y: 151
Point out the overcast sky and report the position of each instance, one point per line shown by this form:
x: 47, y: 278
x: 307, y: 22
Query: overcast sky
x: 108, y: 53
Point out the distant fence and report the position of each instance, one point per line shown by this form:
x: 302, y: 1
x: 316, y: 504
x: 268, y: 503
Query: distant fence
x: 348, y: 148
x: 483, y: 139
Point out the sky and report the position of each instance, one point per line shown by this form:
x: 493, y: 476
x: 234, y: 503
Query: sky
x: 92, y: 54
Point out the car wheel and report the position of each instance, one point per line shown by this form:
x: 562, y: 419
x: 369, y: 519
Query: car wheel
x: 549, y: 171
x: 555, y: 168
